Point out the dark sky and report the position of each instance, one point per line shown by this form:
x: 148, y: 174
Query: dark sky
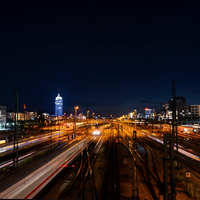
x: 107, y: 56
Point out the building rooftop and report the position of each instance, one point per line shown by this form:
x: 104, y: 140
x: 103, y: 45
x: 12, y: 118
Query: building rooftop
x: 58, y: 97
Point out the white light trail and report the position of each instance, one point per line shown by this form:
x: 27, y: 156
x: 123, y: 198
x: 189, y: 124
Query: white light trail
x: 193, y: 156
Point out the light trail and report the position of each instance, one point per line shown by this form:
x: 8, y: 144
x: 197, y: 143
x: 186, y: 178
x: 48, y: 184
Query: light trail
x: 22, y: 144
x: 193, y: 156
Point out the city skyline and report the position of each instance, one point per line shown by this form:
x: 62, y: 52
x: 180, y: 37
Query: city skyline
x: 108, y: 58
x: 100, y: 99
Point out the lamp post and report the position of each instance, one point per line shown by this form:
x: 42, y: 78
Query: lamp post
x: 190, y: 113
x: 59, y: 132
x: 92, y: 120
x: 135, y: 111
x: 24, y: 113
x: 75, y: 109
x: 87, y: 119
x: 88, y: 114
x: 59, y: 126
x: 51, y: 131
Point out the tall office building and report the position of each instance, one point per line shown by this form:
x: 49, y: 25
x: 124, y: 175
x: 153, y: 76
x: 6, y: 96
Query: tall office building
x: 2, y: 115
x: 149, y: 113
x: 58, y: 106
x: 180, y: 102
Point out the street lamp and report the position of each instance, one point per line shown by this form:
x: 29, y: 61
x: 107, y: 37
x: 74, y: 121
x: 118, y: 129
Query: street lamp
x: 87, y: 119
x: 190, y: 114
x: 59, y: 132
x: 92, y: 120
x: 135, y: 111
x: 24, y: 112
x: 88, y: 114
x: 71, y: 117
x: 51, y: 130
x: 75, y: 109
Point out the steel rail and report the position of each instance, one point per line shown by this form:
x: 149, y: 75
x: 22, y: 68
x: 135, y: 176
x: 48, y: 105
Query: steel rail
x: 88, y: 170
x: 153, y: 158
x: 102, y: 196
x: 82, y: 166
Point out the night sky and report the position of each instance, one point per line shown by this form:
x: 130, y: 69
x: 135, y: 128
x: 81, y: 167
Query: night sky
x: 107, y: 56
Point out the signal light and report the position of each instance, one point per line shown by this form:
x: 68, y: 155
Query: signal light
x: 63, y: 165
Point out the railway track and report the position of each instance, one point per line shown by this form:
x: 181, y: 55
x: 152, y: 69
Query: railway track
x: 187, y: 161
x: 76, y: 181
x: 146, y: 166
x: 109, y: 185
x: 193, y: 143
x: 87, y: 189
x: 6, y: 161
x: 25, y: 155
x: 151, y: 159
x: 150, y: 147
x: 155, y: 182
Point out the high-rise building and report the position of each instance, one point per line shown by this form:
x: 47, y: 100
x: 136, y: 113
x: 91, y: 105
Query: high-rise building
x: 149, y: 113
x: 22, y: 116
x: 190, y: 111
x: 2, y: 114
x: 58, y: 106
x: 180, y: 102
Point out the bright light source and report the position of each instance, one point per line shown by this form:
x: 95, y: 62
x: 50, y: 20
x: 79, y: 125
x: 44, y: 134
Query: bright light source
x: 2, y: 141
x: 96, y: 132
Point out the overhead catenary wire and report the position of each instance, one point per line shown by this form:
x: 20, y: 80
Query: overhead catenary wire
x: 147, y: 101
x: 157, y: 92
x: 188, y: 86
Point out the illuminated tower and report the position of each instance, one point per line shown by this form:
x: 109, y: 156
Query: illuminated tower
x: 58, y: 106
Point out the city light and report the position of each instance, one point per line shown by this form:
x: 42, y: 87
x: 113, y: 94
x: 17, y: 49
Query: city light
x: 58, y: 106
x: 96, y: 132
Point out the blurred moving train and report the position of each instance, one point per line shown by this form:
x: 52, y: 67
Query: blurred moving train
x: 189, y: 129
x: 33, y: 183
x: 181, y: 128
